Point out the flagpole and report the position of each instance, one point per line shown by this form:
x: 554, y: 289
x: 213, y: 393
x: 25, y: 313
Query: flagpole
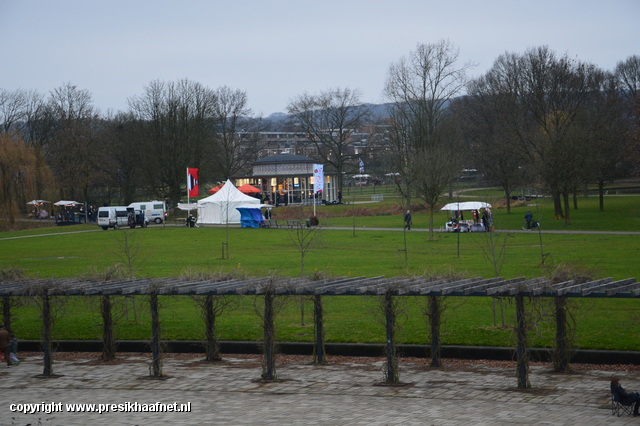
x: 188, y: 209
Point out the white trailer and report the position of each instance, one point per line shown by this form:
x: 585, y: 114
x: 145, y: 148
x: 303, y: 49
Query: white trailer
x: 155, y: 211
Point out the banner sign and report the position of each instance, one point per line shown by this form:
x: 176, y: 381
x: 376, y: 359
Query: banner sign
x: 192, y: 182
x: 318, y: 178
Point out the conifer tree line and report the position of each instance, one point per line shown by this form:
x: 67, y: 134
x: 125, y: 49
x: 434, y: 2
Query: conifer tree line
x: 534, y: 119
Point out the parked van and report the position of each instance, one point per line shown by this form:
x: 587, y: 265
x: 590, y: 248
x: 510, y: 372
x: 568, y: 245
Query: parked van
x: 117, y: 216
x: 155, y: 211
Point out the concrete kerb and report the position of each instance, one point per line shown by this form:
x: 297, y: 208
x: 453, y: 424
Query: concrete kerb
x: 342, y: 349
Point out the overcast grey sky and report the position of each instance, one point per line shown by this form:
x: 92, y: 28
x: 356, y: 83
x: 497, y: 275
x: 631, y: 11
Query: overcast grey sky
x: 277, y: 49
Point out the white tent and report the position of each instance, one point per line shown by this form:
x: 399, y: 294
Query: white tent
x: 221, y: 206
x: 466, y: 205
x: 66, y: 203
x: 188, y: 206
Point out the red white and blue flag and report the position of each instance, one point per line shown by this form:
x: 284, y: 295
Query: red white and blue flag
x: 192, y: 182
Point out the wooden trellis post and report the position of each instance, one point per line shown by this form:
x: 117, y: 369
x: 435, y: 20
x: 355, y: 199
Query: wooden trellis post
x: 46, y: 332
x: 561, y: 356
x: 108, y: 341
x: 318, y: 352
x: 213, y: 347
x: 435, y: 316
x: 156, y: 363
x: 269, y: 361
x: 522, y: 367
x: 6, y: 312
x: 390, y: 348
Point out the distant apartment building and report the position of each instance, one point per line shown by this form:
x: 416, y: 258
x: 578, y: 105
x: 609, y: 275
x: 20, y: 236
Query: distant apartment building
x: 283, y: 169
x: 286, y: 143
x: 368, y: 139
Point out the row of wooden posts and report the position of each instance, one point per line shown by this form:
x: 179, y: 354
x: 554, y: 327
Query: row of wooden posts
x: 212, y: 309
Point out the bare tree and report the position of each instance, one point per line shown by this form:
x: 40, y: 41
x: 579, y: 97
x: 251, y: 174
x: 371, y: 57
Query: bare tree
x: 76, y: 126
x: 628, y: 74
x: 12, y: 109
x: 604, y: 128
x: 80, y: 141
x: 424, y: 136
x: 304, y: 238
x: 174, y: 122
x: 236, y: 140
x: 128, y: 250
x: 400, y: 156
x: 38, y: 131
x: 490, y: 97
x: 544, y: 96
x: 20, y: 168
x: 329, y: 119
x: 121, y: 165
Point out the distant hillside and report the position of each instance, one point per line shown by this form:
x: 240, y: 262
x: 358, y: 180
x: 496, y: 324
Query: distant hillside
x: 378, y: 112
x: 279, y: 119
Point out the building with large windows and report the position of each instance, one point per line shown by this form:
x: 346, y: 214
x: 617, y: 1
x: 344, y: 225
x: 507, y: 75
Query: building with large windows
x: 289, y: 179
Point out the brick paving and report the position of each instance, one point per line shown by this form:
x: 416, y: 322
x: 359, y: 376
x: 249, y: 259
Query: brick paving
x: 345, y: 393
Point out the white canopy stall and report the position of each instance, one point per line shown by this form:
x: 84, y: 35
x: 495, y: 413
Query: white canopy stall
x: 39, y: 211
x: 69, y: 212
x: 466, y: 205
x: 458, y: 224
x: 221, y: 207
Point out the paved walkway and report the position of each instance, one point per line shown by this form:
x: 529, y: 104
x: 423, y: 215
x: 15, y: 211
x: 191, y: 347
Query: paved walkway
x: 349, y: 393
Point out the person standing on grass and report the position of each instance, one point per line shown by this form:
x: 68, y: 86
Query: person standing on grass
x: 4, y: 344
x: 485, y: 221
x: 407, y: 220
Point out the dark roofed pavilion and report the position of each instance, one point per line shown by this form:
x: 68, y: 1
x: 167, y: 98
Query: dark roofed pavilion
x: 289, y: 179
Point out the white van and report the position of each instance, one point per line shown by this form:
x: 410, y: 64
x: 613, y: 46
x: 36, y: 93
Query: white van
x: 155, y: 211
x: 117, y: 216
x: 112, y: 217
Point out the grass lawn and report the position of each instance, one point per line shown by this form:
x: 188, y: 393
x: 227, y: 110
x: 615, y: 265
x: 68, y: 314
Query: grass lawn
x: 171, y: 251
x: 621, y: 213
x: 601, y: 324
x: 159, y: 251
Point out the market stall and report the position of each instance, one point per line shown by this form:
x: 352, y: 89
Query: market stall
x: 69, y: 212
x: 479, y: 217
x: 38, y: 209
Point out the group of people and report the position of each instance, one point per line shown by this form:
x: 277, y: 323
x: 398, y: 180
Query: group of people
x: 8, y: 347
x: 486, y: 218
x: 68, y: 213
x: 39, y: 212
